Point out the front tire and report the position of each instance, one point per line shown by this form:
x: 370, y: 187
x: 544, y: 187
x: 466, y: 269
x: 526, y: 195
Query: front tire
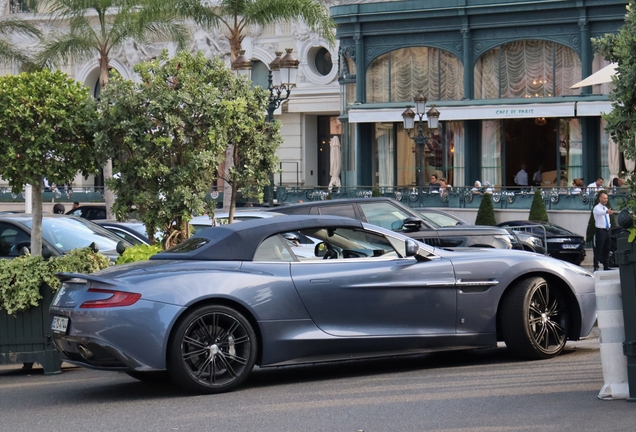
x: 534, y: 319
x: 213, y: 350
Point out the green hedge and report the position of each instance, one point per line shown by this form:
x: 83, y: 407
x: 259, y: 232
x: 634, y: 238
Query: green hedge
x: 22, y: 277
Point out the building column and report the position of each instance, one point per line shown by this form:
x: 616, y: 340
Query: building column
x: 361, y: 128
x: 468, y: 63
x: 590, y: 131
x: 586, y: 50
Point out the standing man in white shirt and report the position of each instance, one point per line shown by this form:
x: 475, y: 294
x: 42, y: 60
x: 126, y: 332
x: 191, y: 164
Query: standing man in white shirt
x: 596, y: 186
x: 521, y: 179
x: 602, y: 237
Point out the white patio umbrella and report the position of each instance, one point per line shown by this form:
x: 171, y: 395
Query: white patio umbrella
x: 335, y: 163
x: 600, y: 77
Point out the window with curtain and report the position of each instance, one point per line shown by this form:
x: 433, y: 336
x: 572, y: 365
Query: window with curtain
x: 384, y: 155
x: 491, y: 161
x: 400, y: 75
x: 610, y: 162
x: 527, y: 69
x: 406, y: 158
x: 454, y: 138
x: 571, y: 150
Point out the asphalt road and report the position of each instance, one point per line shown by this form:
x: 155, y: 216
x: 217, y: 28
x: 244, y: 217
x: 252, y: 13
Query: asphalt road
x: 479, y: 390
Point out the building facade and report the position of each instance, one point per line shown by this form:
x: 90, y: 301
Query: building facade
x: 500, y: 73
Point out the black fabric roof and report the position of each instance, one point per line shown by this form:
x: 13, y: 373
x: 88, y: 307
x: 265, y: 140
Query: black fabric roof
x: 238, y: 241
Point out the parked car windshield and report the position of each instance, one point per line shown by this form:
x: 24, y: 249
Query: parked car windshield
x: 384, y: 215
x: 439, y: 220
x: 67, y: 234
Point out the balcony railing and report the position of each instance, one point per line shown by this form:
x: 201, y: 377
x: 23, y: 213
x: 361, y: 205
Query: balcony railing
x: 457, y: 197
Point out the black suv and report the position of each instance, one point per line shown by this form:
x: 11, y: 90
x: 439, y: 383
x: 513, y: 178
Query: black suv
x: 390, y: 214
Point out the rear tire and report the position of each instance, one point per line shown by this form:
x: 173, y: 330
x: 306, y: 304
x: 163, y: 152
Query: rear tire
x: 212, y: 350
x: 534, y: 319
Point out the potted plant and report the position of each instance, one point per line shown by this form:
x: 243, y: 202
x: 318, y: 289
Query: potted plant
x: 27, y: 287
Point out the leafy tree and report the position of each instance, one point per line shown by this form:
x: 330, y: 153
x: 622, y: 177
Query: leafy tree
x: 171, y: 131
x: 621, y: 120
x: 97, y: 27
x: 537, y: 208
x: 44, y: 132
x: 239, y: 15
x: 8, y: 52
x: 486, y: 212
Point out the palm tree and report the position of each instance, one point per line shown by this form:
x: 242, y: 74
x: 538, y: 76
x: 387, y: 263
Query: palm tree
x: 97, y: 27
x: 8, y: 52
x: 236, y: 15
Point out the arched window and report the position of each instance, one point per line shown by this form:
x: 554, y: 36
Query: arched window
x: 400, y: 75
x: 527, y: 69
x: 260, y: 74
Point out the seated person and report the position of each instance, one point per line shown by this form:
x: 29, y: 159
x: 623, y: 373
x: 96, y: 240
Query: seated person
x: 434, y: 184
x: 477, y: 187
x: 577, y: 184
x: 444, y: 187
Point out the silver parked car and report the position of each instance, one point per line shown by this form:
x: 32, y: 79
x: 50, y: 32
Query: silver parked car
x: 235, y: 296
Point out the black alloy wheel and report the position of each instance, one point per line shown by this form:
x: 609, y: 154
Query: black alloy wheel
x: 212, y: 350
x: 534, y: 319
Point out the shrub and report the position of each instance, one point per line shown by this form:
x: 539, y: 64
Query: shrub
x: 376, y: 193
x: 486, y: 212
x: 537, y: 208
x: 138, y: 253
x: 21, y: 278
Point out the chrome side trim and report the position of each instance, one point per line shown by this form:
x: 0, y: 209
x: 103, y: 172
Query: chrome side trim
x: 486, y: 283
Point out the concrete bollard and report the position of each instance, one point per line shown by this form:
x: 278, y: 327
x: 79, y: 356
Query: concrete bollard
x: 609, y: 309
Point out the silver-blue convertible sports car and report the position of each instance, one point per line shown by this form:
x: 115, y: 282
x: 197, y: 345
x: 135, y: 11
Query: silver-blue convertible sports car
x: 239, y: 295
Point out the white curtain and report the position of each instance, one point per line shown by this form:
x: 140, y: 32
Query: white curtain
x: 438, y: 74
x: 491, y: 152
x: 614, y: 161
x: 524, y: 69
x: 457, y: 149
x: 385, y: 154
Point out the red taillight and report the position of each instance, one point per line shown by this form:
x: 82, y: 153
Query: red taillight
x: 118, y: 298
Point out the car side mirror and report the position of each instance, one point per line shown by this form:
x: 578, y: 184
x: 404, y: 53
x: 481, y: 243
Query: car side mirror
x: 320, y: 250
x: 411, y: 224
x: 121, y: 247
x: 46, y: 252
x: 413, y: 250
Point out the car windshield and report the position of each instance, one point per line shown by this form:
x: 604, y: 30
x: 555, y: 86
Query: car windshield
x: 555, y: 230
x: 439, y: 220
x: 67, y: 234
x: 384, y: 215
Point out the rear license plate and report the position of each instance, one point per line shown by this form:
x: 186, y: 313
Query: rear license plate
x: 59, y: 324
x: 570, y: 246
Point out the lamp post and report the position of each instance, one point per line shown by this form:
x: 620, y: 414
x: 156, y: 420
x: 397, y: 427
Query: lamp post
x: 281, y: 79
x: 422, y: 138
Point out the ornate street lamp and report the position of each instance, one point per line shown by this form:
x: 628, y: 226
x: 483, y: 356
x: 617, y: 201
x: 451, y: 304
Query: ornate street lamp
x: 281, y: 80
x: 422, y: 138
x: 242, y: 66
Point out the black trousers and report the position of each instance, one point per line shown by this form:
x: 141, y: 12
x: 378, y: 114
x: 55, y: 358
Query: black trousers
x: 601, y: 249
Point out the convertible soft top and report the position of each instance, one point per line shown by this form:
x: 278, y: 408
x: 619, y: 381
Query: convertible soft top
x: 238, y: 241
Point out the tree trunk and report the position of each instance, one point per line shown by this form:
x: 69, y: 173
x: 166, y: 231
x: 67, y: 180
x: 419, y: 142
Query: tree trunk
x: 227, y: 186
x: 109, y: 197
x: 36, y: 224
